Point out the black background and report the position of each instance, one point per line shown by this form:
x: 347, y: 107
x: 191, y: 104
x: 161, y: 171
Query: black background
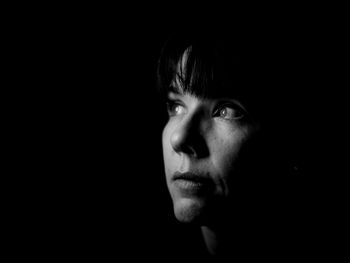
x: 89, y: 176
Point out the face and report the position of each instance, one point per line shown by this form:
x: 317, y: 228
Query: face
x: 202, y: 142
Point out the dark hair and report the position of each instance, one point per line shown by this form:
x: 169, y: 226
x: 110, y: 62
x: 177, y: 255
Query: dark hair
x: 218, y: 64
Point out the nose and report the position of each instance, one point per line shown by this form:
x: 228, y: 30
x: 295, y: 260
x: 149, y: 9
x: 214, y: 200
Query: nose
x: 188, y: 138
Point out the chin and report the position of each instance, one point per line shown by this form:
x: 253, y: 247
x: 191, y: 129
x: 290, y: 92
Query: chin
x: 189, y: 210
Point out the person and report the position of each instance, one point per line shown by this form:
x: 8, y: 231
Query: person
x: 226, y: 146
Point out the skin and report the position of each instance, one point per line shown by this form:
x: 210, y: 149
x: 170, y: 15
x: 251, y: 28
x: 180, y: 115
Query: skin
x: 203, y: 136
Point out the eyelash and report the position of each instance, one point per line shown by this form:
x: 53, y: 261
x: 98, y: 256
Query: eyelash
x: 172, y: 104
x: 236, y: 108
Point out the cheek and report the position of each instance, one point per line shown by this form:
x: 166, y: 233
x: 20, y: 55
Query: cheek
x: 167, y: 150
x: 226, y: 157
x: 166, y: 141
x: 226, y: 151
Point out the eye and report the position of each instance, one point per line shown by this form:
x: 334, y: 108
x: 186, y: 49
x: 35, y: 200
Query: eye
x: 230, y: 112
x: 174, y: 108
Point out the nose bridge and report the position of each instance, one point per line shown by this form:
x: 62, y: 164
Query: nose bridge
x: 187, y: 133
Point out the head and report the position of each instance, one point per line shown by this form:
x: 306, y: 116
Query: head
x: 212, y: 139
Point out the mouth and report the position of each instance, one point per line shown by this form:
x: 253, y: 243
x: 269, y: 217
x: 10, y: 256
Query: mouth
x: 190, y: 177
x: 192, y: 183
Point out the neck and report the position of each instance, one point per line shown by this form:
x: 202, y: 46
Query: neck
x: 228, y: 236
x: 217, y: 240
x: 211, y: 239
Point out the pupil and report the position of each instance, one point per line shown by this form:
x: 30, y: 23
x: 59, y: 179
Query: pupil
x: 223, y: 112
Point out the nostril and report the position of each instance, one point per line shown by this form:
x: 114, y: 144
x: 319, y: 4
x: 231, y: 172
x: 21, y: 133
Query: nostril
x: 181, y: 140
x: 189, y: 143
x: 188, y: 139
x: 188, y: 149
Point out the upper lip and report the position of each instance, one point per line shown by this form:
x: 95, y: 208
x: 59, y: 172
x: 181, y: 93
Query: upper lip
x: 190, y: 176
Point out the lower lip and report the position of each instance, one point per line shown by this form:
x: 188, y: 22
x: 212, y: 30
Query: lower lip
x: 190, y: 186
